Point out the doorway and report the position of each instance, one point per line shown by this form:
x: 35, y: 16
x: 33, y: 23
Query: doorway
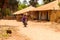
x: 43, y: 16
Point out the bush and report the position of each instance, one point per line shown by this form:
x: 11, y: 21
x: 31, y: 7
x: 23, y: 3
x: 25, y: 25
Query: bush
x: 59, y: 4
x: 7, y: 11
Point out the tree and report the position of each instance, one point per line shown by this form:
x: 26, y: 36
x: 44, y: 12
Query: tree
x: 47, y: 1
x: 33, y: 2
x: 6, y: 12
x: 1, y: 3
x: 37, y: 5
x: 13, y: 4
x: 8, y: 5
x: 59, y: 4
x: 22, y: 6
x: 24, y: 2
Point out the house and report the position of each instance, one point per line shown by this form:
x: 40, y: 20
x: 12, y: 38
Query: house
x: 50, y: 11
x: 47, y: 12
x: 26, y: 11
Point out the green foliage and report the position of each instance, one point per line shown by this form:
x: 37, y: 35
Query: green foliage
x: 37, y: 5
x: 13, y: 2
x: 5, y: 35
x: 21, y: 6
x: 33, y: 2
x: 47, y: 1
x: 6, y: 12
x: 59, y: 4
x: 13, y: 5
x: 0, y: 9
x: 0, y: 35
x: 24, y: 2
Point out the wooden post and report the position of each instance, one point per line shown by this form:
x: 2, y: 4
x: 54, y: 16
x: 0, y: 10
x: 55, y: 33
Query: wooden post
x: 39, y: 15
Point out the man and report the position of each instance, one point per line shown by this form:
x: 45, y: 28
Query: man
x: 24, y: 20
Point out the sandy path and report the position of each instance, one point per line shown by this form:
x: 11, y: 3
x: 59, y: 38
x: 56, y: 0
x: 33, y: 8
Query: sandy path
x: 35, y: 31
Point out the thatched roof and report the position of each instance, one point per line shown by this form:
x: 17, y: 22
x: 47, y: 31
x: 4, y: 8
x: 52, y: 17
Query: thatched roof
x: 30, y: 8
x: 50, y: 6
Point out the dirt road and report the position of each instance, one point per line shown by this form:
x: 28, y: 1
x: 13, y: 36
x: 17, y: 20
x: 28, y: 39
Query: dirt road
x: 35, y: 30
